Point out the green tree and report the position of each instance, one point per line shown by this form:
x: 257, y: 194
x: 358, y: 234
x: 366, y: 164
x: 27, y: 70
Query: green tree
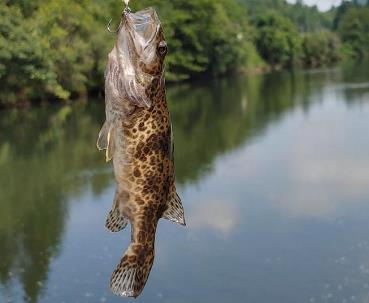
x: 307, y: 18
x: 321, y: 48
x: 341, y: 11
x: 58, y: 49
x: 353, y: 28
x: 204, y: 36
x: 278, y: 40
x: 53, y: 53
x: 26, y: 66
x: 75, y: 39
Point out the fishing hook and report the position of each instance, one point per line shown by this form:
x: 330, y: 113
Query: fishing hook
x: 114, y: 31
x: 126, y: 10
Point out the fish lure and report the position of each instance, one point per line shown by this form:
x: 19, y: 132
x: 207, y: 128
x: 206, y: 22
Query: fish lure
x: 138, y: 138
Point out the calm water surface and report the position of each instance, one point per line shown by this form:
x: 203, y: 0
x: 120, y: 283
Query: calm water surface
x: 273, y: 171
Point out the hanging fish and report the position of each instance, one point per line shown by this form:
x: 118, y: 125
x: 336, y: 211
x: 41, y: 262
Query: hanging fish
x: 137, y: 136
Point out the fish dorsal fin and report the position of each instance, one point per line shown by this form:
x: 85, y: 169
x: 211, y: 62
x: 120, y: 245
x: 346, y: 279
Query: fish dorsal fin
x: 174, y: 211
x: 106, y: 140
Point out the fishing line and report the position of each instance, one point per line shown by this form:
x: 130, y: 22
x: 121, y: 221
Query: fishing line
x: 126, y: 9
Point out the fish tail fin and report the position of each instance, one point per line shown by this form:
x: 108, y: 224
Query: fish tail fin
x: 131, y: 274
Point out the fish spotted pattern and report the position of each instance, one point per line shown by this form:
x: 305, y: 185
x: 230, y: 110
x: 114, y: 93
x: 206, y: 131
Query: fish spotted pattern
x: 137, y: 136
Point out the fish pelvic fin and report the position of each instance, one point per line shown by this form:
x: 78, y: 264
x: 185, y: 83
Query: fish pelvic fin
x: 131, y: 274
x: 106, y: 140
x: 174, y: 211
x: 116, y: 221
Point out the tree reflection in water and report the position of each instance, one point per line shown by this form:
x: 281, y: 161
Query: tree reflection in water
x: 48, y: 157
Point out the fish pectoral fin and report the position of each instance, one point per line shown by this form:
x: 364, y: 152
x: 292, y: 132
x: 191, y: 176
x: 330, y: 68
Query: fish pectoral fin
x: 174, y: 211
x: 111, y: 144
x: 115, y: 221
x: 102, y: 141
x: 131, y: 274
x: 106, y: 140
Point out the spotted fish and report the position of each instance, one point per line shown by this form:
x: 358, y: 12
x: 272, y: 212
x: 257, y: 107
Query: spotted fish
x: 137, y: 136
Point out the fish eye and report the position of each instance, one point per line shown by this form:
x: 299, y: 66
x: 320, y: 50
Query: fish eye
x: 162, y: 48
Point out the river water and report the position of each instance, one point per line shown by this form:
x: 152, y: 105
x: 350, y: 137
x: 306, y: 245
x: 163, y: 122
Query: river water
x: 273, y: 171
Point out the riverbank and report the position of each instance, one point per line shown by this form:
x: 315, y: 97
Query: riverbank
x: 98, y: 94
x: 56, y: 50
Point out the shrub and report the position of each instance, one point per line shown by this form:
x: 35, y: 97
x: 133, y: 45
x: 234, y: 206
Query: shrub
x: 321, y: 48
x: 278, y: 40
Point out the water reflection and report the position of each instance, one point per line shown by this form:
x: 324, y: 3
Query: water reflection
x: 220, y: 216
x: 256, y: 157
x: 44, y: 154
x: 223, y: 114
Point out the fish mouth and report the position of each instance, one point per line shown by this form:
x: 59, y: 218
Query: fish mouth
x: 137, y: 47
x: 143, y: 27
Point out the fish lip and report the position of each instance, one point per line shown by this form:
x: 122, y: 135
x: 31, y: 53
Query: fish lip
x: 129, y: 21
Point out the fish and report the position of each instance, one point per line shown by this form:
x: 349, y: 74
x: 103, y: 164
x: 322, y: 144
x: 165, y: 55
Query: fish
x: 138, y: 137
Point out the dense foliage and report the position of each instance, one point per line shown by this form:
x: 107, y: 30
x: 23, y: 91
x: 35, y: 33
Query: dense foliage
x: 204, y: 36
x: 320, y: 48
x: 353, y: 28
x: 57, y: 49
x: 278, y: 40
x: 307, y: 18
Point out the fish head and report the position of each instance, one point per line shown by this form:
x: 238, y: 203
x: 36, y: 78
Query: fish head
x: 141, y: 49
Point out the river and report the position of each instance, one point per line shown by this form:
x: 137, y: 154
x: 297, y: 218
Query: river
x: 273, y: 171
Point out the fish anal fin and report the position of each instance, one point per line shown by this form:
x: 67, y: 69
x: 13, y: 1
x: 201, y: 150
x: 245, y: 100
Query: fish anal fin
x: 116, y: 222
x: 174, y: 211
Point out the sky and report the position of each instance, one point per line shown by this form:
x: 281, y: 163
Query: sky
x: 322, y: 4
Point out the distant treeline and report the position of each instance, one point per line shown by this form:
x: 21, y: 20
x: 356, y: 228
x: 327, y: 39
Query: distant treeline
x: 53, y: 49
